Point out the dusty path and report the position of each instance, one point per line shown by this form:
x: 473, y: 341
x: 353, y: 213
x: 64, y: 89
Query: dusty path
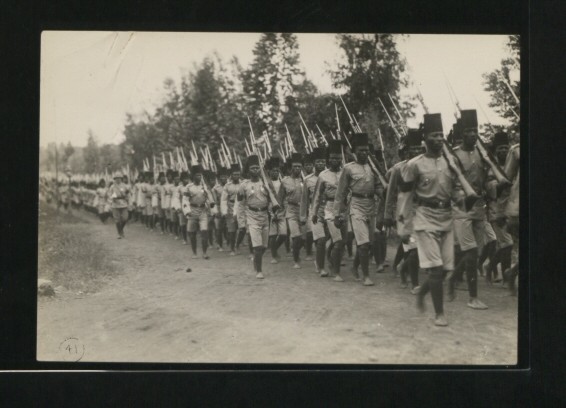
x: 154, y: 311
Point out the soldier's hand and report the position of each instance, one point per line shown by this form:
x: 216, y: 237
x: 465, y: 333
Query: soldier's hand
x: 338, y: 221
x: 405, y: 238
x: 314, y: 219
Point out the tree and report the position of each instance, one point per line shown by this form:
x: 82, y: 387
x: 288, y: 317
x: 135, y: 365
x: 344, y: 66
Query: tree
x: 372, y: 69
x: 91, y: 154
x: 503, y: 84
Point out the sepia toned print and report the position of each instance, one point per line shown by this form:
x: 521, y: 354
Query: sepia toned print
x: 279, y: 198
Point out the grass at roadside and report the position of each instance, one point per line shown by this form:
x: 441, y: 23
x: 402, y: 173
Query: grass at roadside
x: 67, y: 256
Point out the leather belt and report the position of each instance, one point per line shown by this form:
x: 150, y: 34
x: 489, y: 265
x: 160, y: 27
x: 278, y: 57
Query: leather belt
x: 438, y: 204
x: 358, y: 195
x: 198, y: 205
x: 231, y: 201
x: 295, y: 204
x: 257, y: 209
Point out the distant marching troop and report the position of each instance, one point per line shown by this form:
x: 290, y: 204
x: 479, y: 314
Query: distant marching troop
x: 454, y: 202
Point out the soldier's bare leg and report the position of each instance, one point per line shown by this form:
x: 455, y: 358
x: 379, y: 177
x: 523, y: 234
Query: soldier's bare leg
x: 321, y: 255
x: 204, y: 242
x: 363, y: 253
x: 297, y: 244
x: 193, y: 238
x: 336, y: 254
x: 308, y: 245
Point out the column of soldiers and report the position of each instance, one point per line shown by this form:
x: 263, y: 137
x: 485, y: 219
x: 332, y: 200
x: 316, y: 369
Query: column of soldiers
x: 335, y: 195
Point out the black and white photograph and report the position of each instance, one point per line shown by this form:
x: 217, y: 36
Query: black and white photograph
x: 279, y: 198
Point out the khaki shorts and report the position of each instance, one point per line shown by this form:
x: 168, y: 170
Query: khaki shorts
x: 278, y: 227
x: 241, y: 218
x: 435, y: 248
x: 231, y: 223
x: 219, y: 223
x: 363, y: 228
x: 473, y: 233
x: 318, y: 230
x: 160, y: 212
x: 197, y: 220
x: 259, y: 235
x: 295, y: 229
x: 504, y: 238
x: 120, y: 214
x: 337, y: 234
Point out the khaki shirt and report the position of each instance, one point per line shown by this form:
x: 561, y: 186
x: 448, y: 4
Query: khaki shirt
x: 119, y: 195
x: 290, y: 194
x: 359, y: 179
x: 433, y: 181
x: 475, y: 171
x: 307, y: 196
x: 228, y: 197
x: 325, y: 192
x: 254, y: 195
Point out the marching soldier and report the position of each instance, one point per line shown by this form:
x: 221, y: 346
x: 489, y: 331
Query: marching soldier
x: 278, y: 223
x: 159, y: 201
x: 227, y: 201
x: 118, y: 193
x: 471, y: 227
x: 290, y: 195
x: 219, y: 219
x: 394, y: 210
x: 148, y: 190
x: 255, y: 196
x: 308, y: 165
x: 101, y: 200
x: 324, y: 198
x: 180, y: 194
x: 196, y: 209
x: 364, y: 185
x: 314, y: 227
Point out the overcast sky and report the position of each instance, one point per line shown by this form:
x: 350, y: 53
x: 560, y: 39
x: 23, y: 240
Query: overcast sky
x: 89, y: 80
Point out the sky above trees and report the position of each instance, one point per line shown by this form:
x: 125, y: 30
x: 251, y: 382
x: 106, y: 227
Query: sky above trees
x: 90, y: 80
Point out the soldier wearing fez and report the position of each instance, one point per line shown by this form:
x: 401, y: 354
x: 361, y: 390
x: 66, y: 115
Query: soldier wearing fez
x: 196, y: 209
x: 290, y: 196
x: 364, y: 185
x: 433, y: 185
x: 324, y: 198
x: 314, y: 228
x: 227, y: 201
x: 395, y: 209
x: 254, y: 196
x: 471, y: 227
x: 278, y: 223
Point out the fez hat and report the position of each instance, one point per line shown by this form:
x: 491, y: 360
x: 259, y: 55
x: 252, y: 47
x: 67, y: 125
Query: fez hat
x: 184, y: 174
x: 221, y: 171
x: 334, y: 147
x: 499, y: 139
x: 161, y: 174
x: 296, y: 158
x: 360, y: 139
x: 253, y: 160
x: 469, y: 119
x: 432, y: 123
x: 319, y: 153
x: 273, y: 163
x: 196, y: 169
x: 174, y: 173
x: 169, y: 172
x: 235, y: 167
x: 308, y: 158
x: 414, y: 137
x: 149, y: 173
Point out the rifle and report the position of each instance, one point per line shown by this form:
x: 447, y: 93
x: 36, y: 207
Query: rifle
x: 390, y: 121
x: 471, y: 195
x: 266, y: 181
x: 404, y: 122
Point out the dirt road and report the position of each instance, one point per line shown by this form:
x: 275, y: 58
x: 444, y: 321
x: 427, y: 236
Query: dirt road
x: 154, y: 311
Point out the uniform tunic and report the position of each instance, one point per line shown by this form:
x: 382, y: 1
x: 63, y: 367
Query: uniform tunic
x: 195, y: 207
x: 278, y: 223
x: 432, y: 182
x: 364, y: 185
x: 323, y: 200
x: 256, y: 203
x: 227, y: 201
x: 118, y: 195
x: 471, y: 227
x: 290, y: 194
